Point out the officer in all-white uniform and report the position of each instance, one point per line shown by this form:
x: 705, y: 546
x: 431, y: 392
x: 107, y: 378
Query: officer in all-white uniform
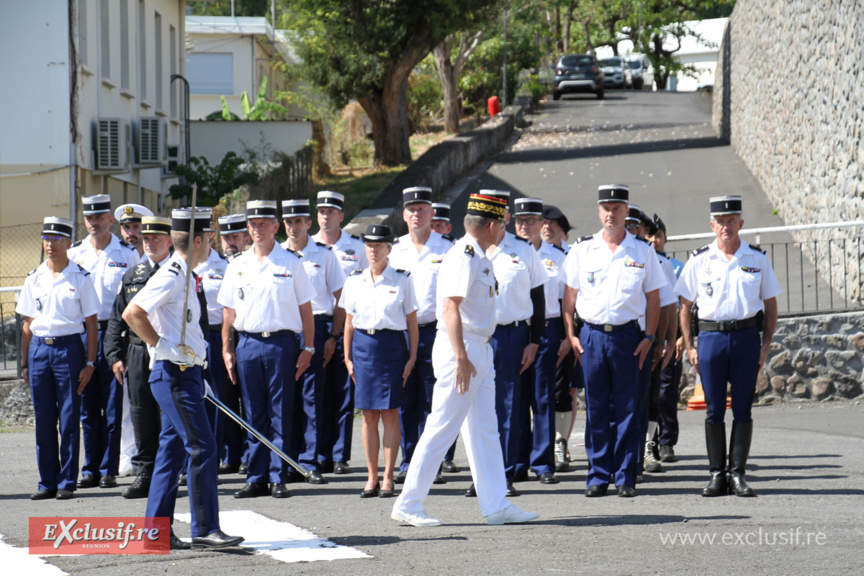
x: 736, y: 290
x: 57, y: 301
x: 421, y: 253
x: 338, y: 421
x: 129, y: 216
x: 537, y: 404
x: 465, y: 374
x: 613, y: 278
x: 519, y: 315
x: 267, y: 297
x: 327, y: 279
x: 157, y: 315
x: 107, y: 258
x: 441, y: 218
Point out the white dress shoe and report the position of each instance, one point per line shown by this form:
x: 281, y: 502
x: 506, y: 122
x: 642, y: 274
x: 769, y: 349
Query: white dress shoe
x: 511, y: 515
x: 419, y: 519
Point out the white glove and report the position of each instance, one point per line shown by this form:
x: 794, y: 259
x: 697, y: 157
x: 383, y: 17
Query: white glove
x: 166, y: 351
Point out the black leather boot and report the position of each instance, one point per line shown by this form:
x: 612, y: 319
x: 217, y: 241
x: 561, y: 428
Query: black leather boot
x: 715, y: 440
x: 739, y: 450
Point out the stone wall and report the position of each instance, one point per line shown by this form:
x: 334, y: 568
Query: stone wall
x: 811, y: 358
x: 789, y: 96
x: 439, y: 167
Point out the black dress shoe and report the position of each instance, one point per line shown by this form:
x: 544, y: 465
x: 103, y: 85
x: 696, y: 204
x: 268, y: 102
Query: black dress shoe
x: 471, y: 492
x: 400, y: 477
x: 88, y: 481
x: 511, y: 490
x: 43, y: 494
x: 181, y: 481
x: 279, y: 491
x: 439, y: 479
x: 596, y: 491
x: 521, y: 476
x: 244, y: 468
x: 626, y: 491
x: 316, y: 478
x: 108, y: 481
x: 140, y: 488
x: 373, y: 493
x: 547, y: 478
x: 449, y: 467
x: 216, y: 539
x: 341, y: 468
x: 178, y: 544
x: 386, y: 493
x: 65, y: 494
x: 326, y: 467
x: 228, y: 468
x: 253, y: 490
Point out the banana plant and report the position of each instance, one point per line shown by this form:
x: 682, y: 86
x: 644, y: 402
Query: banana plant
x: 260, y: 111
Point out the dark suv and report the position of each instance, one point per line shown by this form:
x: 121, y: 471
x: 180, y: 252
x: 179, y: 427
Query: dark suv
x: 577, y: 73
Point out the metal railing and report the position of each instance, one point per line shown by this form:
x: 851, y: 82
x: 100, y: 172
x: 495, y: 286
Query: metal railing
x: 821, y: 275
x: 10, y: 333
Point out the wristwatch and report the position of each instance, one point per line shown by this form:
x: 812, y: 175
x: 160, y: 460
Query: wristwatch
x: 93, y: 364
x: 334, y: 336
x: 309, y: 349
x: 651, y: 337
x: 661, y: 341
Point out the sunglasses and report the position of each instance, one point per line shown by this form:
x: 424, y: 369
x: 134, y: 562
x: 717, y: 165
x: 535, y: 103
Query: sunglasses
x: 53, y: 239
x: 527, y: 221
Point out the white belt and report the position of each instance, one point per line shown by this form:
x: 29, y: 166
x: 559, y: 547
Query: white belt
x: 476, y: 337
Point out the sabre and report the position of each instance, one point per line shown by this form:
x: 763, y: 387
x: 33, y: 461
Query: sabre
x: 231, y: 414
x: 183, y: 348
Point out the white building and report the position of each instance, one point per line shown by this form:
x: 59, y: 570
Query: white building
x: 87, y: 106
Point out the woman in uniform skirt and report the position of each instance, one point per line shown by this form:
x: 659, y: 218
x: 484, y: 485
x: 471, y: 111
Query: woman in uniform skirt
x: 380, y: 306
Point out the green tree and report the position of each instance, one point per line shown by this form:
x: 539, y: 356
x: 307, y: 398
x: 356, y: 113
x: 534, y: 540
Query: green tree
x: 213, y: 181
x: 366, y: 50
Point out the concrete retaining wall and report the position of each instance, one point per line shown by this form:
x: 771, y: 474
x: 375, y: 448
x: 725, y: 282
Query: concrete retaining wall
x: 439, y: 167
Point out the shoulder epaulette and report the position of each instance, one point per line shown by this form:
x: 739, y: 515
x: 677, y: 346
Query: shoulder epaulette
x: 584, y: 238
x: 234, y: 256
x: 78, y: 243
x: 557, y: 247
x: 222, y: 256
x: 405, y: 272
x: 700, y: 250
x: 469, y: 250
x: 322, y: 245
x: 81, y: 268
x: 757, y: 248
x: 33, y: 271
x: 396, y: 240
x: 175, y: 268
x: 448, y: 237
x: 294, y: 252
x: 126, y: 244
x: 357, y: 272
x: 643, y: 239
x: 354, y: 236
x: 522, y: 239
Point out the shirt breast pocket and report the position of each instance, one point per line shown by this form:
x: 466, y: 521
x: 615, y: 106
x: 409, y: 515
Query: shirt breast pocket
x: 632, y: 279
x: 69, y: 301
x: 283, y: 286
x: 751, y: 283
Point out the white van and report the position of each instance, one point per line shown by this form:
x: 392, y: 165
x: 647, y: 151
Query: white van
x: 640, y: 66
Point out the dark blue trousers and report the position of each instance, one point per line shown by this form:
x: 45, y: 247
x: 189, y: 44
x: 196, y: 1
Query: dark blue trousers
x: 338, y: 407
x: 642, y: 401
x: 308, y: 420
x: 508, y: 344
x: 101, y: 418
x: 186, y: 436
x: 667, y: 402
x: 611, y: 387
x: 54, y: 373
x: 417, y: 395
x: 266, y: 368
x: 538, y: 399
x: 731, y: 357
x: 230, y: 437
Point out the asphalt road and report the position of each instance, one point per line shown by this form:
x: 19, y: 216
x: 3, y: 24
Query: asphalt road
x: 807, y: 468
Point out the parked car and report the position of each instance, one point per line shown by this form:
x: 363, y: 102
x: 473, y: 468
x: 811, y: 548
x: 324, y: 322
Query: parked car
x: 639, y: 66
x: 577, y: 73
x: 616, y: 72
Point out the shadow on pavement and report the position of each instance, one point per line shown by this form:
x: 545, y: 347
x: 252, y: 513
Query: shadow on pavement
x: 552, y: 154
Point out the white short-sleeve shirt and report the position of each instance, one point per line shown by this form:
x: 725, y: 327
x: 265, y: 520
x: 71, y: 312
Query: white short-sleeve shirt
x: 212, y: 272
x: 424, y: 267
x: 323, y: 269
x: 162, y: 299
x: 728, y: 289
x: 518, y: 270
x: 552, y: 258
x: 349, y: 250
x: 382, y: 305
x: 266, y: 296
x: 106, y: 269
x: 59, y: 305
x: 468, y: 274
x: 612, y: 286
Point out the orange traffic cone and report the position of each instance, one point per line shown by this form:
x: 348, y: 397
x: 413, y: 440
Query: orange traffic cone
x: 697, y: 401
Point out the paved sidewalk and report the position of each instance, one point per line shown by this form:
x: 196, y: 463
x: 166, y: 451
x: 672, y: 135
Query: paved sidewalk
x: 807, y: 468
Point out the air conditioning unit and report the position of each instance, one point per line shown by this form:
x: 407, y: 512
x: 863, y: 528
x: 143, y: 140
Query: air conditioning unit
x: 112, y: 144
x: 150, y: 140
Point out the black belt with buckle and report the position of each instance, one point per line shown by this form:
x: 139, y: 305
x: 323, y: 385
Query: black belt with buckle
x: 614, y: 327
x: 432, y: 324
x: 268, y: 334
x: 515, y: 324
x: 215, y: 327
x: 727, y: 325
x: 57, y: 340
x: 373, y: 331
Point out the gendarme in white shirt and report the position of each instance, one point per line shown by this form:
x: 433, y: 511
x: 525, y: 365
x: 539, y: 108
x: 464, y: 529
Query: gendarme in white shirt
x: 424, y: 267
x: 324, y: 272
x: 59, y: 305
x: 381, y: 305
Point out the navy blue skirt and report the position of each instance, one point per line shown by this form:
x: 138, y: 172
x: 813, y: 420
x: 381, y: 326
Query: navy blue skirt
x: 379, y: 360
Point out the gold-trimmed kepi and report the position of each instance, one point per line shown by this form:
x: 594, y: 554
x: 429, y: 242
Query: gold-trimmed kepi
x: 487, y: 206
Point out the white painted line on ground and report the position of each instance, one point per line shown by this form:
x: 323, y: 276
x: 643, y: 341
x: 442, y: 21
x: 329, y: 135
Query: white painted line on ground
x: 281, y: 540
x: 19, y: 561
